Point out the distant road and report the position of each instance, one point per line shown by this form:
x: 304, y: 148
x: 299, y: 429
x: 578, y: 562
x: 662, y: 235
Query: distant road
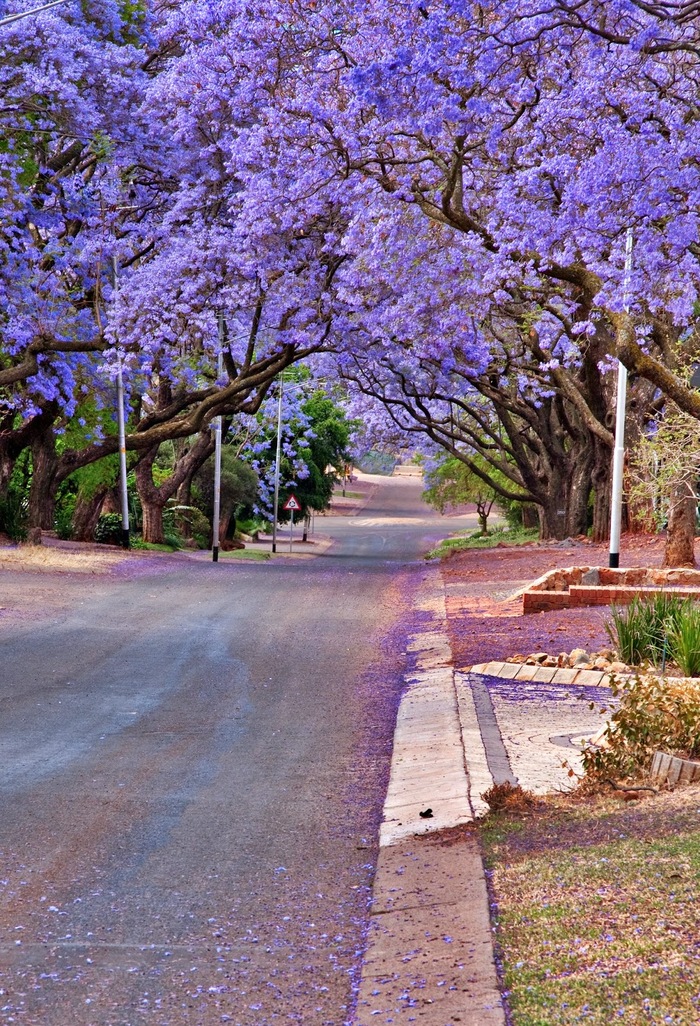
x: 194, y: 759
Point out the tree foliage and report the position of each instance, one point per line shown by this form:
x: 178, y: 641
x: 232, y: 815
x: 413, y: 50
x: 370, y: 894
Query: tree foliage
x: 453, y: 483
x: 438, y: 195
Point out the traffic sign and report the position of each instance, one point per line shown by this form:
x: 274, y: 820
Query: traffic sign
x: 292, y: 504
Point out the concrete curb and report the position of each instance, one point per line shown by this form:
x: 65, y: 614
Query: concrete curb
x: 429, y: 955
x: 546, y: 674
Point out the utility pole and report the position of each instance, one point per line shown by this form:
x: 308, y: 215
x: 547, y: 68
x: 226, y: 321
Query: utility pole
x: 619, y: 451
x: 217, y: 450
x: 278, y: 456
x: 121, y: 428
x: 10, y: 18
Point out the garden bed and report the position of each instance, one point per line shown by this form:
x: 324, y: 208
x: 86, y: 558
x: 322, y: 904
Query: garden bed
x: 578, y: 586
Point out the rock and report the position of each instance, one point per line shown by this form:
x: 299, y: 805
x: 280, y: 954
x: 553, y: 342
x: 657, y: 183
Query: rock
x: 601, y: 738
x: 618, y: 667
x: 591, y: 576
x: 601, y: 663
x: 578, y: 656
x: 539, y: 657
x: 638, y: 577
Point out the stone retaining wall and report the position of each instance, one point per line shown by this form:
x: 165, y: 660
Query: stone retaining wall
x: 577, y: 586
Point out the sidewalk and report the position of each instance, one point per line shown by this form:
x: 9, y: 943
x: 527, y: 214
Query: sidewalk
x: 429, y: 956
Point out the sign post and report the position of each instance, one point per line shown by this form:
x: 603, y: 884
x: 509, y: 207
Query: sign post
x: 290, y: 505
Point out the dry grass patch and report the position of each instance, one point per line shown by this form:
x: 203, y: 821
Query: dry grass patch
x: 596, y: 907
x: 45, y: 558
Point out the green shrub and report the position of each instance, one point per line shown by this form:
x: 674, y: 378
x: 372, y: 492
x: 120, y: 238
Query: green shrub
x: 640, y: 631
x: 187, y: 521
x: 108, y: 530
x: 652, y: 713
x: 376, y: 462
x: 684, y: 640
x: 13, y: 515
x: 63, y: 517
x: 250, y: 525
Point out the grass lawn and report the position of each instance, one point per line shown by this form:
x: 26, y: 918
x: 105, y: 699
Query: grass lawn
x: 254, y: 554
x: 596, y: 907
x: 142, y: 546
x: 474, y: 540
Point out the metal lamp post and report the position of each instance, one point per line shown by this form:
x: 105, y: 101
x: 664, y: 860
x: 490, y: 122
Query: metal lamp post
x: 10, y: 18
x: 619, y: 451
x: 277, y: 470
x: 217, y: 451
x: 121, y: 428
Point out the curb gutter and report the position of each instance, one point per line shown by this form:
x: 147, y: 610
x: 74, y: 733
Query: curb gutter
x: 429, y: 956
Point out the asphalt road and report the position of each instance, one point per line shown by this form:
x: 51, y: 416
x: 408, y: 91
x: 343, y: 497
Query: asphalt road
x: 193, y: 764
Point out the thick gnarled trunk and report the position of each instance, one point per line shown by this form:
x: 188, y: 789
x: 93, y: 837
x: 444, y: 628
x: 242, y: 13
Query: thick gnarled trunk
x: 152, y: 524
x: 155, y: 498
x: 563, y: 510
x: 42, y: 492
x: 87, y: 513
x: 680, y: 536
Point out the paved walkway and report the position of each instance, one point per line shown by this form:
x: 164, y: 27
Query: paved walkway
x: 429, y: 956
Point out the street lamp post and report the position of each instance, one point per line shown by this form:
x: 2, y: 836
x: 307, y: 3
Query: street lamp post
x: 619, y: 451
x: 10, y: 18
x: 121, y: 428
x: 217, y: 452
x: 278, y: 455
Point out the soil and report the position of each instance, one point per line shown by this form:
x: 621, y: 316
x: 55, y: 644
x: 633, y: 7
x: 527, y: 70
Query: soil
x: 484, y: 607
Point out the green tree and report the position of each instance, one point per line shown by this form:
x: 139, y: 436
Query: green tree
x: 324, y: 453
x: 239, y: 488
x: 453, y: 483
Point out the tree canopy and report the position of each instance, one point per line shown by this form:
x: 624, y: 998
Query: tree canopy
x: 435, y: 195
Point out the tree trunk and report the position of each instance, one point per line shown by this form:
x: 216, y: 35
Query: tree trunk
x: 152, y: 524
x: 564, y: 511
x: 153, y: 499
x: 225, y: 516
x: 680, y: 536
x: 529, y: 515
x: 6, y: 467
x: 42, y: 492
x: 87, y: 513
x: 601, y: 482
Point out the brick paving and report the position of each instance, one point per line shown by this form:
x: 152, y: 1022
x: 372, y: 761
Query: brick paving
x: 542, y: 725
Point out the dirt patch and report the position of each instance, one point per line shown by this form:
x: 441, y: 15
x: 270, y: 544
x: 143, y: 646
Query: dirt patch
x: 484, y: 607
x: 50, y: 558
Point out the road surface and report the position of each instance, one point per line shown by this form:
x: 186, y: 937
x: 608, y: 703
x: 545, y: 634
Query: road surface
x: 194, y: 759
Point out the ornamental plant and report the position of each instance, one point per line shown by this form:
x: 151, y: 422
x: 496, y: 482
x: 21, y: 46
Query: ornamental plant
x: 666, y: 627
x: 684, y: 640
x: 651, y: 713
x: 640, y: 631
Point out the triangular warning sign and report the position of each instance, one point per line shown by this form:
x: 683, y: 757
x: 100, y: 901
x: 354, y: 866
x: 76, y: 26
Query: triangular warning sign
x: 292, y: 503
